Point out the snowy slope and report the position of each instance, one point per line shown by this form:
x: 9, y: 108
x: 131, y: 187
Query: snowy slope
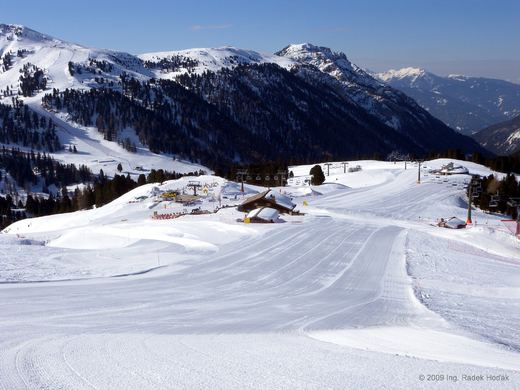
x: 98, y: 153
x: 329, y: 62
x: 126, y: 229
x: 409, y: 72
x: 212, y: 59
x: 53, y: 56
x: 360, y: 288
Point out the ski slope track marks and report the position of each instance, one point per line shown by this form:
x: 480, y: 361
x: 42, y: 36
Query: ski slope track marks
x: 361, y: 292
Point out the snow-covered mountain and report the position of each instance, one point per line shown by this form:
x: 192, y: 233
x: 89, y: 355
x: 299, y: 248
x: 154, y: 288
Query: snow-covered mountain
x: 501, y: 138
x: 389, y: 105
x: 170, y: 64
x: 333, y: 63
x: 467, y: 104
x: 211, y: 105
x: 355, y: 84
x: 20, y: 46
x: 66, y: 65
x: 324, y: 69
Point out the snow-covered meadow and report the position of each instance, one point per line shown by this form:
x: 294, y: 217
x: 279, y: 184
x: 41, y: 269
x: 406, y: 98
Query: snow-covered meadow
x: 360, y: 292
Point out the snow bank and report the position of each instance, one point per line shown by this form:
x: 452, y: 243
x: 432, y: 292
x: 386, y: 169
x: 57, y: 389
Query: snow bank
x: 424, y: 344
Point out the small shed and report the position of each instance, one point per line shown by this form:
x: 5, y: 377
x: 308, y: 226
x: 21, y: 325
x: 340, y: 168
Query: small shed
x: 270, y: 198
x: 262, y: 215
x: 452, y: 223
x: 452, y: 169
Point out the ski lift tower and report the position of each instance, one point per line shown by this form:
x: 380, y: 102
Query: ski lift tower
x: 240, y: 177
x: 513, y: 225
x: 344, y: 166
x: 282, y: 175
x: 514, y: 202
x: 194, y: 185
x: 419, y: 171
x: 328, y: 168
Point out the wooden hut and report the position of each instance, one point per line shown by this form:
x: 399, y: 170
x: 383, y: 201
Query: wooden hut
x: 452, y: 223
x: 270, y: 198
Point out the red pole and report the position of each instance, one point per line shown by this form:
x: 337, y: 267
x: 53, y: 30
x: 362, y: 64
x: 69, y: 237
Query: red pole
x: 470, y: 195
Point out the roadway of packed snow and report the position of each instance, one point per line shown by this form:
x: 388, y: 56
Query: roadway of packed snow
x: 361, y: 292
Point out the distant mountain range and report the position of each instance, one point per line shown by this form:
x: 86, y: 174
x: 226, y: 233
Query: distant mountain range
x: 501, y: 138
x: 214, y: 106
x: 467, y: 104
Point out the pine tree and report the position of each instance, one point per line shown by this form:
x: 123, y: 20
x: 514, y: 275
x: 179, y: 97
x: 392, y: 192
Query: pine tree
x: 318, y: 177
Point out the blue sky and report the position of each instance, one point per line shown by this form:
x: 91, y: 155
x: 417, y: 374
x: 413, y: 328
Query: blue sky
x: 476, y: 37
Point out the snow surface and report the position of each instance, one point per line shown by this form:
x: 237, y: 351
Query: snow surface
x: 265, y: 213
x: 98, y: 153
x: 214, y: 59
x: 53, y: 55
x: 514, y: 137
x: 401, y: 73
x: 281, y: 199
x: 328, y: 61
x: 361, y: 292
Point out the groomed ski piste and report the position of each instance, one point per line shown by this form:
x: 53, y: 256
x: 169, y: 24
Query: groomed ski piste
x: 361, y: 292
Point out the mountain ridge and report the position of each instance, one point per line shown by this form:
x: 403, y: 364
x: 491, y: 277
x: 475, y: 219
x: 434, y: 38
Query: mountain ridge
x: 501, y: 138
x: 346, y: 102
x: 467, y: 104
